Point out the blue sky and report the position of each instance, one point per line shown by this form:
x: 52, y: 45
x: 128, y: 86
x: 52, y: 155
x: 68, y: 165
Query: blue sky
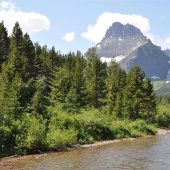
x: 49, y: 21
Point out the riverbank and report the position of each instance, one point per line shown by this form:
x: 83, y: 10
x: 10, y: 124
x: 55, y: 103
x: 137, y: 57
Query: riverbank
x: 159, y: 132
x: 8, y: 160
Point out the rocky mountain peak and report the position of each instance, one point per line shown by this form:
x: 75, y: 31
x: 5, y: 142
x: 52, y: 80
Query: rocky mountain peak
x: 127, y: 45
x: 120, y: 40
x: 118, y: 30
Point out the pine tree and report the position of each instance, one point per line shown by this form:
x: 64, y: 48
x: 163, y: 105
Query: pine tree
x: 116, y: 81
x: 149, y: 101
x: 60, y: 86
x: 76, y: 96
x: 95, y: 76
x: 38, y: 60
x: 134, y: 93
x: 4, y: 44
x: 29, y: 54
x: 39, y: 101
x: 17, y: 67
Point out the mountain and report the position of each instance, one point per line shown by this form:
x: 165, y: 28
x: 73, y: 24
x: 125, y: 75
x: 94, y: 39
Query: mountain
x: 127, y: 45
x: 167, y: 52
x: 162, y: 88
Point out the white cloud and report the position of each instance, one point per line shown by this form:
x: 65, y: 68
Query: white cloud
x: 4, y: 5
x: 69, y: 37
x: 30, y: 22
x: 96, y: 32
x: 166, y: 43
x: 163, y: 42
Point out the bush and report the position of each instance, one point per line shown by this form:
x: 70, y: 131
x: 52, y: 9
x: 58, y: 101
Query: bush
x: 141, y: 128
x: 125, y: 129
x: 61, y: 139
x: 120, y: 129
x: 31, y: 135
x: 163, y: 119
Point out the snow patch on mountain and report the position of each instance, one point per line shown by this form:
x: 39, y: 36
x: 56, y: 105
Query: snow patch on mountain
x: 106, y: 59
x: 119, y: 58
x: 116, y: 59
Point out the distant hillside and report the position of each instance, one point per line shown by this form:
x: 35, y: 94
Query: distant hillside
x: 162, y: 87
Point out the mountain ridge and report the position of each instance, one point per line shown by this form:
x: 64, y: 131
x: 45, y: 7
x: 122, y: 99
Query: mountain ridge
x: 127, y: 45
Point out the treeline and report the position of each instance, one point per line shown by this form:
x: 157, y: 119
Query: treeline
x: 51, y: 101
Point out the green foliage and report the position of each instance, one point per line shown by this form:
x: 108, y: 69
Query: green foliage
x: 58, y: 139
x: 163, y: 117
x: 31, y: 133
x: 138, y: 128
x: 4, y: 44
x: 116, y: 81
x: 95, y: 75
x: 53, y: 101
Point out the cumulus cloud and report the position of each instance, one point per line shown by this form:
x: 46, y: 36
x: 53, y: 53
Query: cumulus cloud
x: 96, y: 32
x: 69, y: 37
x: 30, y: 22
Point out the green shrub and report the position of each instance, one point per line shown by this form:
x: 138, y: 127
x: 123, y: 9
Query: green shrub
x: 125, y: 129
x: 163, y: 119
x: 31, y: 135
x: 120, y: 129
x: 141, y: 128
x: 58, y: 139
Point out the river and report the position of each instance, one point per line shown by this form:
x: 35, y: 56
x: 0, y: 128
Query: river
x: 149, y: 153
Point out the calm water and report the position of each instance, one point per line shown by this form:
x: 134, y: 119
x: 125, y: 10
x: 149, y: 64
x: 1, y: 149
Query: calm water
x: 152, y: 153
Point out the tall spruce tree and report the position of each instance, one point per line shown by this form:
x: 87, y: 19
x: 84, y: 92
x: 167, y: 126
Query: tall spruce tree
x: 29, y: 55
x: 134, y: 93
x: 13, y: 66
x: 116, y: 80
x: 149, y: 101
x: 76, y: 96
x: 18, y: 66
x: 95, y: 78
x: 60, y: 86
x: 4, y: 44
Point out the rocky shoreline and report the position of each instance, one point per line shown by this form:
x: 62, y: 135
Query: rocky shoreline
x: 163, y: 131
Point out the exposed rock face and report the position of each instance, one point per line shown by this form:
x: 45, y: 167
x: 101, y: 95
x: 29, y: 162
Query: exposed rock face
x: 129, y: 42
x: 120, y: 40
x: 150, y: 58
x: 167, y: 52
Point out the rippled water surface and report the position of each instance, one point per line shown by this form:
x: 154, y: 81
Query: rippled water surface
x: 151, y: 153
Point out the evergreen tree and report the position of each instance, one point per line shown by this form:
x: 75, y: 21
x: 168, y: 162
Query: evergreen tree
x: 60, y: 86
x: 4, y: 44
x: 16, y: 68
x: 38, y: 60
x: 76, y: 96
x: 116, y: 81
x: 95, y: 76
x: 149, y: 101
x: 119, y: 107
x: 134, y: 93
x: 39, y: 101
x: 29, y: 55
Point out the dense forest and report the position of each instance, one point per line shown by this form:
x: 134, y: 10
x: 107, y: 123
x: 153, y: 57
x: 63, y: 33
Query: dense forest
x: 51, y: 101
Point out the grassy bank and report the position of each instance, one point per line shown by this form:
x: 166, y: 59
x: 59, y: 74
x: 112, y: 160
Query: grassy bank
x: 66, y: 130
x: 91, y: 126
